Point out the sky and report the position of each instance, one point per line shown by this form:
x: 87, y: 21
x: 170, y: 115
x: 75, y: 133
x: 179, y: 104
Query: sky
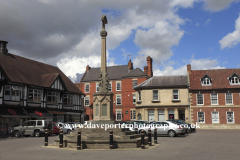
x: 66, y: 34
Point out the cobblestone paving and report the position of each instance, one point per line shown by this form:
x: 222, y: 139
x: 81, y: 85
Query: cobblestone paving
x: 204, y: 144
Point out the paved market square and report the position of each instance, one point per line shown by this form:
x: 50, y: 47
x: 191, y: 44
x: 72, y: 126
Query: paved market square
x: 204, y: 144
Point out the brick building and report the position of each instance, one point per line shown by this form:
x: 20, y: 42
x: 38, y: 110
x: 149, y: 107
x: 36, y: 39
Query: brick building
x: 163, y: 97
x: 122, y: 80
x: 215, y: 97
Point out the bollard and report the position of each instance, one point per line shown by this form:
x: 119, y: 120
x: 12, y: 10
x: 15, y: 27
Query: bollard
x: 142, y: 139
x: 46, y: 137
x: 79, y: 141
x: 61, y: 139
x: 155, y: 135
x: 136, y: 131
x: 111, y: 139
x: 149, y: 137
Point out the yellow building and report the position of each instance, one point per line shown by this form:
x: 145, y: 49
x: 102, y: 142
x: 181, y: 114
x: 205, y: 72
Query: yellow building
x: 163, y: 97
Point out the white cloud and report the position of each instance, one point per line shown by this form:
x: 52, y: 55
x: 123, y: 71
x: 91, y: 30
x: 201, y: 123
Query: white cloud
x: 231, y: 39
x: 207, y: 21
x: 197, y: 24
x: 217, y: 5
x: 196, y: 64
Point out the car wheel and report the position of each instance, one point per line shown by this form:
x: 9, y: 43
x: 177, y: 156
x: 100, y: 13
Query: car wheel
x: 37, y: 133
x: 171, y: 133
x: 68, y: 131
x: 17, y: 134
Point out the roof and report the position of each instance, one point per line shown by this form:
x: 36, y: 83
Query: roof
x: 219, y: 78
x: 22, y: 70
x: 164, y: 82
x: 114, y: 73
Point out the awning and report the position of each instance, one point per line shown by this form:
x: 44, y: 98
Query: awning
x: 38, y: 113
x: 13, y: 112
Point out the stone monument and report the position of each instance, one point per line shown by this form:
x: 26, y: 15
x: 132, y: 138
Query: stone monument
x: 103, y: 100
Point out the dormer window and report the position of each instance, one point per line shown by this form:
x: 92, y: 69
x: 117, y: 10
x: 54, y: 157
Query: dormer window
x: 206, y: 81
x: 234, y: 79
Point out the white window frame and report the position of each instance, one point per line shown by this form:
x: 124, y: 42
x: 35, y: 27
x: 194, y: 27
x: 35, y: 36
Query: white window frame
x: 118, y: 112
x: 205, y: 80
x: 86, y: 88
x: 212, y: 98
x: 133, y: 114
x: 226, y: 99
x: 35, y: 92
x: 175, y: 94
x: 139, y: 96
x: 69, y: 99
x: 212, y: 116
x: 203, y: 117
x: 227, y: 117
x: 133, y: 83
x: 234, y: 78
x: 117, y: 86
x: 118, y: 96
x: 155, y: 95
x: 85, y: 101
x: 13, y: 89
x: 53, y: 94
x: 134, y: 99
x: 197, y: 98
x: 110, y: 88
x: 97, y: 87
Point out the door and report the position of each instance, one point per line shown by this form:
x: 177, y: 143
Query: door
x: 30, y: 127
x: 170, y: 114
x: 181, y: 115
x: 150, y: 115
x: 215, y: 117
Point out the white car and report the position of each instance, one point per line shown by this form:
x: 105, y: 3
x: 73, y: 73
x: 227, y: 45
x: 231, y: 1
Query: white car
x: 67, y: 128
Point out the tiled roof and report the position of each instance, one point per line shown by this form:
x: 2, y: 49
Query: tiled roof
x: 164, y: 81
x: 219, y: 78
x: 114, y: 73
x: 22, y: 70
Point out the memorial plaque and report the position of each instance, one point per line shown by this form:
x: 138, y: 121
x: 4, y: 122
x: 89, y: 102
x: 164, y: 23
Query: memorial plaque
x: 97, y: 110
x: 104, y: 110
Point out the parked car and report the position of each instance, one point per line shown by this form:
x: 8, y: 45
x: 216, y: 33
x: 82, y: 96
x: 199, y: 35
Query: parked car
x: 67, y: 128
x: 33, y: 127
x: 164, y: 128
x: 56, y: 128
x: 188, y: 127
x: 139, y: 123
x: 73, y: 124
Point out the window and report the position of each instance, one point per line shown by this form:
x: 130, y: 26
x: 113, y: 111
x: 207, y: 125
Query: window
x: 155, y: 95
x: 134, y: 99
x: 139, y: 95
x: 161, y: 115
x: 234, y: 79
x: 133, y: 114
x: 119, y: 99
x: 215, y: 117
x: 110, y: 87
x: 97, y: 87
x: 12, y: 93
x: 68, y: 99
x: 34, y: 95
x: 52, y: 97
x: 230, y: 117
x: 201, y: 118
x: 118, y: 115
x: 199, y: 99
x: 214, y: 99
x: 175, y: 94
x: 118, y: 86
x: 86, y: 101
x: 86, y: 88
x: 229, y: 99
x: 206, y: 81
x: 134, y: 83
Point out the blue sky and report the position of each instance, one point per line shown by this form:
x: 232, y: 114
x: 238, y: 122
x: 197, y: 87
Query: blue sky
x: 203, y: 33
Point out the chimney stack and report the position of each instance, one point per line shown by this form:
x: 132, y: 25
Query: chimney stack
x: 189, y: 71
x: 149, y: 64
x: 146, y: 69
x: 3, y: 47
x: 130, y: 65
x: 88, y: 68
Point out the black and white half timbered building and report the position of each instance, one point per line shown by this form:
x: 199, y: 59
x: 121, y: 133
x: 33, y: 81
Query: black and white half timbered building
x: 34, y: 90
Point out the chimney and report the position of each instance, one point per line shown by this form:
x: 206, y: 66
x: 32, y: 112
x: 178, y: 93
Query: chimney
x: 88, y: 68
x: 3, y: 47
x: 149, y: 64
x: 146, y: 69
x: 130, y: 65
x: 189, y: 71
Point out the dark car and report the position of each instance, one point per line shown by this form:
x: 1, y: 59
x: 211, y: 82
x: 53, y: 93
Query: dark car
x: 190, y: 127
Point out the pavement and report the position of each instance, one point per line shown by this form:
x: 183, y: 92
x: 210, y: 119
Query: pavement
x: 202, y: 145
